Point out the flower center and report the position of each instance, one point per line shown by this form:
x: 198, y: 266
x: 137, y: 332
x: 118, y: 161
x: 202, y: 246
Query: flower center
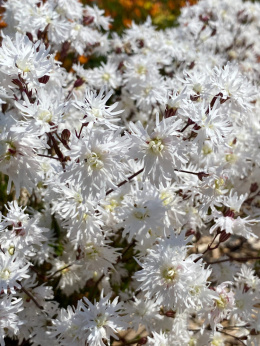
x: 141, y: 213
x: 156, y: 145
x: 231, y: 158
x: 106, y: 77
x: 96, y: 112
x: 100, y: 320
x: 5, y: 274
x: 222, y: 301
x: 77, y: 27
x: 24, y: 65
x: 45, y: 116
x: 166, y: 197
x: 91, y: 252
x: 7, y: 150
x: 169, y: 274
x: 95, y: 161
x: 78, y: 198
x: 11, y: 250
x: 141, y: 69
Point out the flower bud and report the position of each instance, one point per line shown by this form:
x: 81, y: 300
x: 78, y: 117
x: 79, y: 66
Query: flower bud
x: 170, y: 313
x: 253, y: 187
x: 65, y: 135
x: 78, y: 83
x: 224, y: 236
x: 142, y: 341
x: 44, y: 79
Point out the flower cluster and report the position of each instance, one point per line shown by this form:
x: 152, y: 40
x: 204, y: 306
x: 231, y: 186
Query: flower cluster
x: 130, y: 186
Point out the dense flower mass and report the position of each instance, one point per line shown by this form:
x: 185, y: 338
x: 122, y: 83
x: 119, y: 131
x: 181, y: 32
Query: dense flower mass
x: 129, y: 189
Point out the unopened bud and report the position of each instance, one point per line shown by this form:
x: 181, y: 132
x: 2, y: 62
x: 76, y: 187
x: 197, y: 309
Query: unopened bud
x: 196, y: 127
x: 65, y: 135
x: 30, y: 36
x: 202, y: 175
x: 190, y: 232
x: 229, y: 213
x: 87, y: 20
x: 17, y: 82
x: 224, y: 236
x: 170, y: 313
x: 4, y: 107
x: 142, y: 341
x: 78, y: 82
x: 44, y: 79
x: 253, y: 187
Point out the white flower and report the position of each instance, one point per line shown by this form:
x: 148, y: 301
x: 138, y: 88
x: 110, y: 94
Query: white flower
x: 107, y: 75
x: 98, y: 15
x: 102, y: 319
x: 143, y: 312
x: 234, y: 202
x: 232, y: 225
x: 96, y: 110
x: 224, y: 303
x: 9, y: 320
x: 233, y: 85
x: 18, y: 158
x: 247, y: 276
x: 44, y: 114
x: 142, y: 214
x: 67, y: 327
x: 12, y: 270
x: 213, y: 126
x: 21, y: 56
x: 23, y: 233
x: 162, y: 151
x: 170, y: 278
x: 99, y: 163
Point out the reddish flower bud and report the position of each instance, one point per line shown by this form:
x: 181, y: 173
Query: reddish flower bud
x: 44, y: 79
x: 229, y: 213
x: 224, y: 236
x: 142, y: 341
x: 190, y: 232
x: 78, y: 82
x: 65, y: 135
x: 253, y: 187
x: 170, y: 313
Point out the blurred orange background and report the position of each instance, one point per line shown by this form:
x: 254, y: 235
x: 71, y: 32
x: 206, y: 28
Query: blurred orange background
x: 123, y: 12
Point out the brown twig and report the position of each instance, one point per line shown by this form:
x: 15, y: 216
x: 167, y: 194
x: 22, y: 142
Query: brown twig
x: 235, y: 259
x: 31, y: 297
x: 233, y: 336
x: 199, y: 174
x: 49, y: 157
x: 125, y: 181
x: 59, y: 270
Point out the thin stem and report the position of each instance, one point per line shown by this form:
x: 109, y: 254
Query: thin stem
x: 94, y: 288
x: 31, y: 297
x: 209, y: 248
x: 125, y: 181
x: 135, y: 339
x: 43, y: 278
x: 199, y: 174
x: 49, y: 157
x: 233, y: 336
x: 128, y: 247
x: 190, y: 122
x: 62, y: 141
x: 57, y: 150
x: 235, y: 259
x: 59, y: 270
